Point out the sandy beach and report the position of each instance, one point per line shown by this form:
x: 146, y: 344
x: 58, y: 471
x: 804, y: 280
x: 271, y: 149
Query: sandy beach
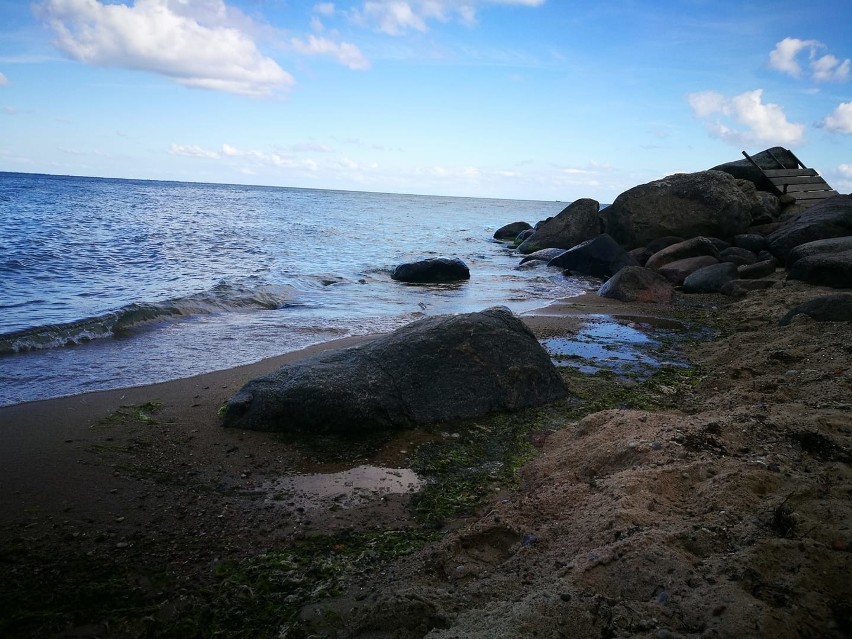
x: 727, y: 513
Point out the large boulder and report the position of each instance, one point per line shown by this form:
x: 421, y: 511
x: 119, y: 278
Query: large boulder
x: 710, y: 203
x: 432, y: 271
x: 830, y: 218
x: 710, y: 279
x: 437, y: 369
x: 544, y: 255
x: 576, y: 223
x: 828, y: 308
x: 820, y: 247
x: 511, y: 231
x: 598, y: 257
x: 637, y: 284
x: 676, y: 272
x: 824, y: 269
x: 695, y: 247
x: 768, y: 159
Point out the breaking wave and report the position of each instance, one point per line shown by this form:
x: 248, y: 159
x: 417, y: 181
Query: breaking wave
x: 222, y: 298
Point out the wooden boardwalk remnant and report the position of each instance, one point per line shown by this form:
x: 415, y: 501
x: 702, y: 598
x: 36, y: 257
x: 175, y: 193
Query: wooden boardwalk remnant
x: 804, y: 184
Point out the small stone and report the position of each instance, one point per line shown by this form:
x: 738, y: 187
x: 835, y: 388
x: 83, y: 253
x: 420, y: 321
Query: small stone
x: 565, y: 596
x: 718, y: 610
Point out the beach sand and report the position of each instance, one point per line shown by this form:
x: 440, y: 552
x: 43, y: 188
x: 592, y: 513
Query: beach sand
x: 643, y: 522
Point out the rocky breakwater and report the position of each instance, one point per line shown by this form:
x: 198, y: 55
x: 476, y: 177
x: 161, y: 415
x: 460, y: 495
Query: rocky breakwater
x: 722, y: 230
x: 434, y: 370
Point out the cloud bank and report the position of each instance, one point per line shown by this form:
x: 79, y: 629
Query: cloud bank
x: 827, y: 68
x: 198, y: 43
x: 745, y: 119
x: 840, y: 120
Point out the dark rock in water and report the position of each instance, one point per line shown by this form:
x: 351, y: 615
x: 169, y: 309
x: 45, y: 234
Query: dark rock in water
x: 753, y: 242
x: 434, y: 370
x: 695, y: 247
x: 768, y: 159
x: 544, y: 255
x: 830, y: 218
x: 824, y: 269
x: 510, y: 231
x: 434, y: 270
x: 676, y: 272
x: 599, y: 257
x: 819, y: 247
x: 637, y: 284
x: 708, y: 203
x: 523, y: 235
x: 758, y: 269
x: 737, y: 255
x: 710, y: 279
x: 828, y: 308
x: 576, y: 223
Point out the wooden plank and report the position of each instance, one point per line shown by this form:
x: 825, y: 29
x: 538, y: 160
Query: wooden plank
x: 814, y: 195
x: 803, y: 180
x: 800, y: 188
x: 780, y: 173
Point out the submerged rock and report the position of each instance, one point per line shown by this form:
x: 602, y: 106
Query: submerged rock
x: 432, y: 271
x: 599, y: 257
x: 511, y: 231
x: 437, y: 369
x: 576, y: 223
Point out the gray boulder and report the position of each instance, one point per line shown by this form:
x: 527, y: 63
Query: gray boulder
x: 697, y: 246
x: 819, y: 247
x: 676, y: 272
x: 828, y: 219
x: 757, y: 270
x: 510, y: 231
x: 737, y: 255
x: 576, y: 223
x: 709, y: 203
x: 753, y: 242
x: 544, y: 255
x: 432, y: 271
x: 637, y: 284
x: 710, y: 279
x: 828, y: 308
x: 824, y: 269
x: 434, y: 370
x: 599, y: 257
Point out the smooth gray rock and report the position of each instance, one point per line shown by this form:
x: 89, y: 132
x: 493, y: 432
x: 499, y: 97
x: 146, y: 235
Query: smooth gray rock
x: 710, y: 279
x: 695, y: 247
x: 737, y: 255
x: 708, y: 203
x: 510, y: 231
x: 576, y: 223
x: 637, y: 284
x: 819, y: 247
x: 828, y: 308
x: 543, y: 255
x: 432, y: 271
x: 824, y: 269
x: 753, y: 242
x: 757, y: 270
x: 676, y: 272
x: 434, y: 370
x: 599, y: 257
x: 828, y: 219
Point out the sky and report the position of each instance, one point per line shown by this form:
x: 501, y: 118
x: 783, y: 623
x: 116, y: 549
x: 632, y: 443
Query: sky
x: 524, y: 99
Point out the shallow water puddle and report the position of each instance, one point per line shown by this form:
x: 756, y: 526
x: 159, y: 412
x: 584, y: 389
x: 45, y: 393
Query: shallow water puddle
x: 625, y: 348
x: 345, y: 489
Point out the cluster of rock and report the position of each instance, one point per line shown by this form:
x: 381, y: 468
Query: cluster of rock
x: 717, y: 231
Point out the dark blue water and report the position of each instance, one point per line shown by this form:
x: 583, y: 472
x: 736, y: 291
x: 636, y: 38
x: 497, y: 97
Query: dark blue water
x: 110, y: 283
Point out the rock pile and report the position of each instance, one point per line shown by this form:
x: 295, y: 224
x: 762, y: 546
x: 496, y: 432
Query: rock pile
x: 717, y: 231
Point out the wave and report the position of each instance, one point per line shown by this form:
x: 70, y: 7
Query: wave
x: 222, y: 298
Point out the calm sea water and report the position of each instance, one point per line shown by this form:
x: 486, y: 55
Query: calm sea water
x: 111, y: 283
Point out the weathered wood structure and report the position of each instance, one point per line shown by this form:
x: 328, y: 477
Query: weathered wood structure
x: 804, y: 184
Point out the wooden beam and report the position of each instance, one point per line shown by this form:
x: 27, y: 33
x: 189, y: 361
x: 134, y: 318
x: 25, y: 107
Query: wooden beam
x: 816, y: 186
x: 814, y: 195
x: 782, y: 173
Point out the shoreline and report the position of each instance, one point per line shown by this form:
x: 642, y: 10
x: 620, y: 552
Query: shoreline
x: 734, y: 476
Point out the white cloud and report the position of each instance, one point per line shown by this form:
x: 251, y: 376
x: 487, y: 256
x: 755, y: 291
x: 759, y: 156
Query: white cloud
x: 784, y: 58
x: 198, y: 43
x: 396, y: 17
x: 193, y: 151
x: 324, y: 8
x: 840, y: 120
x: 347, y: 54
x: 845, y: 170
x: 759, y: 123
x: 3, y: 80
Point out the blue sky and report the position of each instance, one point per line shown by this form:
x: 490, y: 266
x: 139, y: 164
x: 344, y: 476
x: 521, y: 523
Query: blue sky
x: 534, y: 99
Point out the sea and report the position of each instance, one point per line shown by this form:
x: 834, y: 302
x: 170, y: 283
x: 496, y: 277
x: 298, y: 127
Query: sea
x: 112, y: 283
